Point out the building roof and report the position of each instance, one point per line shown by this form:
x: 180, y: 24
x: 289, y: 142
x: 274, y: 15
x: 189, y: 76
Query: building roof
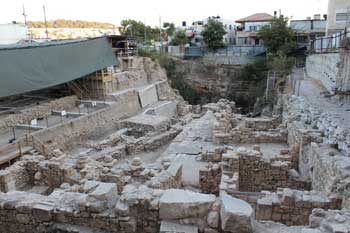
x: 258, y: 17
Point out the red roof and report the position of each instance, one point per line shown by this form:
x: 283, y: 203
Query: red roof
x: 256, y: 18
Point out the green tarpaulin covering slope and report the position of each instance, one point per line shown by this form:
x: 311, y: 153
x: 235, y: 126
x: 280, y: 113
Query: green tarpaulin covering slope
x: 34, y: 67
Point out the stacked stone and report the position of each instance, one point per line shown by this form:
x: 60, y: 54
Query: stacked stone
x: 183, y: 108
x: 257, y: 174
x: 161, y: 139
x: 54, y: 173
x: 210, y: 178
x: 169, y: 178
x: 261, y: 124
x: 213, y: 155
x: 293, y: 207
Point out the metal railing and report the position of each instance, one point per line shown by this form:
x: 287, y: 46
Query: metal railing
x: 232, y: 50
x: 329, y: 44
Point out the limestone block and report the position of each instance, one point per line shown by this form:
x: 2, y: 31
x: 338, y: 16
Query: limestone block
x: 104, y: 191
x: 236, y: 215
x: 213, y: 219
x: 172, y: 227
x: 180, y: 204
x: 42, y: 212
x: 264, y: 209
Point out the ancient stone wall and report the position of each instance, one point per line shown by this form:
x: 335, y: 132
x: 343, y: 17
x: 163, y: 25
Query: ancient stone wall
x: 38, y: 111
x: 257, y: 174
x: 293, y: 207
x: 210, y: 178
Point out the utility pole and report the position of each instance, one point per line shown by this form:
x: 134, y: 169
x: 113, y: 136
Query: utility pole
x: 47, y: 33
x: 24, y: 15
x: 25, y: 21
x: 145, y: 32
x: 160, y: 34
x: 347, y: 19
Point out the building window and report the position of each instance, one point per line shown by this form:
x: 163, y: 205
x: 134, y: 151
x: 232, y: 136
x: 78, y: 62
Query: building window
x: 230, y: 27
x: 252, y: 28
x: 343, y: 17
x: 225, y: 26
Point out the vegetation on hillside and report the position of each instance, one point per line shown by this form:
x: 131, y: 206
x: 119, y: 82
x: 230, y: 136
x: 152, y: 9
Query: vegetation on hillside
x: 64, y: 23
x: 213, y: 34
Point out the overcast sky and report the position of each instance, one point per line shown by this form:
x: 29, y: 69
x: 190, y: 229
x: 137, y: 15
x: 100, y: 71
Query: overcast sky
x: 148, y: 11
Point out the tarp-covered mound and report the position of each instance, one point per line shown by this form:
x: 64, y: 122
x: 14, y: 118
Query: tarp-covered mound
x: 25, y: 68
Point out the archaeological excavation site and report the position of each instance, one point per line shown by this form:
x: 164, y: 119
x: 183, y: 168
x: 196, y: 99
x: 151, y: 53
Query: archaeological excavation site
x: 121, y: 151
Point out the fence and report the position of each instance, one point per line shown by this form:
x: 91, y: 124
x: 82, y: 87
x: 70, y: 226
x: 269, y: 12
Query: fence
x: 234, y: 50
x: 329, y: 44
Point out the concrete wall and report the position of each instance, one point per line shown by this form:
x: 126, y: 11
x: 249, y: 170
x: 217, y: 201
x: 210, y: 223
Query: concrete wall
x: 38, y: 111
x: 323, y: 67
x: 332, y: 69
x: 12, y: 33
x: 66, y: 135
x: 343, y: 77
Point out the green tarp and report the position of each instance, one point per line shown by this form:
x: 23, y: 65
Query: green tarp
x: 26, y: 68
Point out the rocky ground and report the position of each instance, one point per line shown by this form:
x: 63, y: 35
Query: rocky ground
x: 173, y: 167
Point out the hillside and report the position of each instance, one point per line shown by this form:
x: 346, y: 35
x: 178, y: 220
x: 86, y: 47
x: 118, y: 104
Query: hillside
x: 63, y: 23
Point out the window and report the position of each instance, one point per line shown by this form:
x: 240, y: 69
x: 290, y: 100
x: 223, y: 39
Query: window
x: 225, y: 26
x: 230, y: 27
x: 253, y: 28
x: 343, y: 17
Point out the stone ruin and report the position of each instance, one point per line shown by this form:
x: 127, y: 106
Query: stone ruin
x: 174, y: 167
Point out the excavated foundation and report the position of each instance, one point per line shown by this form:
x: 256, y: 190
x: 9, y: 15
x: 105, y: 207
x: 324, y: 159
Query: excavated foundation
x: 150, y: 162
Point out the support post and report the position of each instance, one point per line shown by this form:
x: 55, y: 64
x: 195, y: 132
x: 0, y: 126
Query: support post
x: 20, y: 149
x: 14, y: 132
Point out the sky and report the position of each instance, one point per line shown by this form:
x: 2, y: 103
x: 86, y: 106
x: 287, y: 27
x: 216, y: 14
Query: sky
x: 149, y: 11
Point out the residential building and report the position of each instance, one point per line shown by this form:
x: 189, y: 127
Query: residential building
x: 229, y: 25
x: 308, y: 29
x: 12, y: 33
x: 338, y: 16
x: 195, y: 30
x: 247, y: 32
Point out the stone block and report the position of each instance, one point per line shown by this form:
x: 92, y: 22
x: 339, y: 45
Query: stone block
x: 180, y: 204
x: 236, y: 215
x: 172, y: 227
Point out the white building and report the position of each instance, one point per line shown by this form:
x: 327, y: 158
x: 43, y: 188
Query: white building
x: 338, y: 16
x: 12, y: 33
x: 195, y: 30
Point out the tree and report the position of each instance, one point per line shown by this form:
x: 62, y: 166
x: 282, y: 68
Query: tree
x: 139, y: 30
x: 180, y: 38
x: 278, y: 36
x: 213, y: 34
x: 169, y: 29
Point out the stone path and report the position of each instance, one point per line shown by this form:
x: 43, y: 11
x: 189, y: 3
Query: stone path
x: 312, y: 90
x: 195, y: 138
